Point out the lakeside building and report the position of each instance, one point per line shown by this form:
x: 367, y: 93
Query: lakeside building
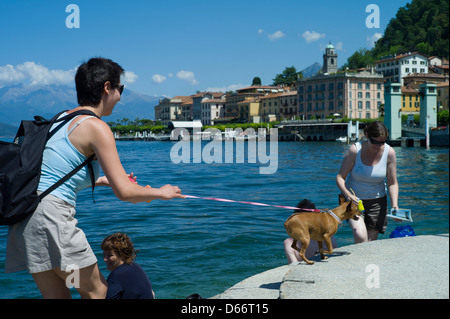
x: 355, y: 95
x: 246, y: 94
x: 411, y: 96
x: 395, y: 67
x: 174, y: 109
x: 200, y: 108
x: 249, y: 110
x: 186, y: 109
x: 279, y: 106
x: 438, y: 65
x: 442, y: 96
x: 410, y: 100
x: 352, y: 95
x: 414, y: 80
x: 212, y: 109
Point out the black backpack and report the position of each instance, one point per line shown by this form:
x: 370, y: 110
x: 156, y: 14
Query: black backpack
x: 20, y: 167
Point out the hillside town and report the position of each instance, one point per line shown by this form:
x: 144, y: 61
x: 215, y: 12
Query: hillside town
x: 353, y: 94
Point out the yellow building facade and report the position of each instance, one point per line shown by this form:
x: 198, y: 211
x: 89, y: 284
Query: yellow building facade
x: 410, y: 100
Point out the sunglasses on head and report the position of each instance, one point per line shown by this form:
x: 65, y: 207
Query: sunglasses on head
x: 376, y: 142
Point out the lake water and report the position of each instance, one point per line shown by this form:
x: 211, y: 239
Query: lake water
x: 197, y: 246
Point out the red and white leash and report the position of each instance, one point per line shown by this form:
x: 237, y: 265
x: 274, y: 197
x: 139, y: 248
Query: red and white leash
x: 243, y: 202
x: 251, y: 203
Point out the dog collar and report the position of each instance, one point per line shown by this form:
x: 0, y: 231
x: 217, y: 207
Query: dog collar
x: 334, y: 215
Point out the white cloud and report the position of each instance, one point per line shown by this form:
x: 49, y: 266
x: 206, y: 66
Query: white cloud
x: 374, y: 38
x: 32, y: 73
x: 129, y: 77
x: 232, y: 87
x: 158, y: 78
x: 339, y: 46
x: 311, y: 36
x: 275, y: 36
x: 187, y: 76
x: 272, y: 37
x: 8, y: 74
x: 39, y: 74
x: 35, y: 74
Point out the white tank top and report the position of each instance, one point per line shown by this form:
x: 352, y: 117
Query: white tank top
x: 368, y: 182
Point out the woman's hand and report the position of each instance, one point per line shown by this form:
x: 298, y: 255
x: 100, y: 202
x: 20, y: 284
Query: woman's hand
x: 132, y: 178
x: 169, y: 192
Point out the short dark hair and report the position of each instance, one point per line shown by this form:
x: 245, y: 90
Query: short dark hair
x: 92, y: 75
x: 376, y: 129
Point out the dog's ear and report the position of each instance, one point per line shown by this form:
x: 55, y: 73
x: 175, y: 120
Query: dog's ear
x: 341, y: 199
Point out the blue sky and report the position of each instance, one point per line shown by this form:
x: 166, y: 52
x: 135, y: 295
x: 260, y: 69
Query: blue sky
x: 176, y: 47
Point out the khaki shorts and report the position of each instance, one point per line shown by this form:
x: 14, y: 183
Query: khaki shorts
x: 48, y: 239
x: 375, y: 214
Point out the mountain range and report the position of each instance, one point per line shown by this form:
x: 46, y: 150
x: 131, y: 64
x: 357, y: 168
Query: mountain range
x: 19, y: 102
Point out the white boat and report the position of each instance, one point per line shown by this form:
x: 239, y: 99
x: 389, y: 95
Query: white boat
x: 161, y: 137
x: 342, y: 139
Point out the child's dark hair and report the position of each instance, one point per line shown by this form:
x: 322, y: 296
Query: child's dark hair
x: 305, y: 203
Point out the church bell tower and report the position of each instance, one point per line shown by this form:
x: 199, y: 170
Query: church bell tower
x: 329, y: 60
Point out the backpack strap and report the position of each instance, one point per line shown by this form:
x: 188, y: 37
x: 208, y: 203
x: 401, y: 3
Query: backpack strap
x: 70, y: 174
x: 66, y: 119
x: 87, y: 162
x: 91, y: 174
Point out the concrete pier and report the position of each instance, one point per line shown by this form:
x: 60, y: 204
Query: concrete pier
x: 399, y: 268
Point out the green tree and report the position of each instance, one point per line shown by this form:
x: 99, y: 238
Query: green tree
x: 443, y: 118
x: 289, y: 76
x: 421, y: 25
x: 359, y: 59
x: 256, y: 81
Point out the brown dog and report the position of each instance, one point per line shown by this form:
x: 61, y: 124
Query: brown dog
x: 319, y: 226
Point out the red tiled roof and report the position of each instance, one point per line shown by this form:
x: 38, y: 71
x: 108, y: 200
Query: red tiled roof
x: 400, y: 56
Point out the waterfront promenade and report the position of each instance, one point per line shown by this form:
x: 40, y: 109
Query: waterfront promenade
x: 399, y: 268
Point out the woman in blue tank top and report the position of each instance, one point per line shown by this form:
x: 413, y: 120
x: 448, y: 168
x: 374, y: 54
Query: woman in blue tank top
x: 368, y: 169
x: 48, y: 244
